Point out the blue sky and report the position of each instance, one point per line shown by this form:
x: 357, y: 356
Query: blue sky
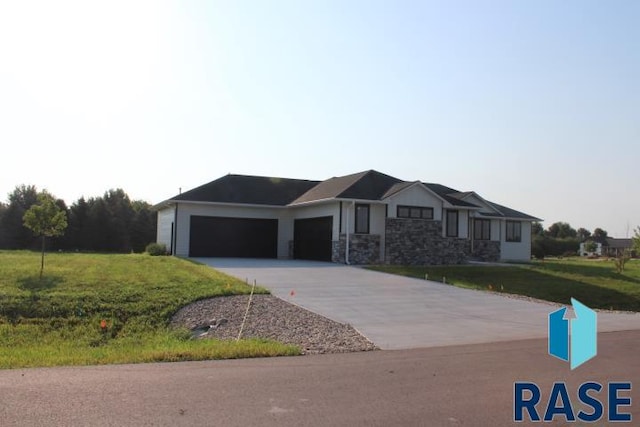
x: 534, y: 105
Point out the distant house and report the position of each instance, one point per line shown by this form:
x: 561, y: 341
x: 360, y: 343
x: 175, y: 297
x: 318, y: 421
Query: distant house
x: 583, y: 249
x: 615, y: 247
x: 363, y: 218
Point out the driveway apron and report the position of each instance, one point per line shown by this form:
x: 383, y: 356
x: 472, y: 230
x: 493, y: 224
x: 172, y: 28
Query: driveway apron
x: 399, y: 312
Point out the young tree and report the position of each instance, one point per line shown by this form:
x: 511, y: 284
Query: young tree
x: 636, y: 241
x: 590, y: 246
x: 45, y: 219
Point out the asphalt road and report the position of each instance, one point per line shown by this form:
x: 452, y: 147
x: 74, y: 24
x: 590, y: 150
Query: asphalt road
x: 469, y: 385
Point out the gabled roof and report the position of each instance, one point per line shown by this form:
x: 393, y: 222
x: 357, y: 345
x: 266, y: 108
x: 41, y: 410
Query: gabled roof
x: 482, y: 201
x: 244, y: 189
x: 447, y: 194
x: 509, y: 213
x: 368, y: 185
x: 500, y: 211
x: 396, y: 188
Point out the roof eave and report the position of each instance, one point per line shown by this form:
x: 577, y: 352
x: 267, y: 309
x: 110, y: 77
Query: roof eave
x: 251, y: 205
x: 164, y: 204
x: 512, y: 218
x: 421, y: 184
x: 311, y: 202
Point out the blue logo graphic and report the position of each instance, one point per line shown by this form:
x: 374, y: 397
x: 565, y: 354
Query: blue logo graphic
x: 573, y: 340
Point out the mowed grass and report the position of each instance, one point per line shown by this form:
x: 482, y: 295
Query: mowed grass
x: 592, y: 282
x: 57, y: 320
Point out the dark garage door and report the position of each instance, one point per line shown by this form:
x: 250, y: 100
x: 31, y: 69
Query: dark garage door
x: 233, y: 237
x: 312, y: 238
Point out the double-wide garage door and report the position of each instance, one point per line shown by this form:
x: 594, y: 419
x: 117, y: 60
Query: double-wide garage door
x: 233, y: 237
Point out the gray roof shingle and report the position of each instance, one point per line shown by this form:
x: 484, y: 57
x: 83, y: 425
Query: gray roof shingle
x: 367, y: 185
x: 615, y: 243
x: 512, y: 213
x: 245, y: 189
x: 447, y: 194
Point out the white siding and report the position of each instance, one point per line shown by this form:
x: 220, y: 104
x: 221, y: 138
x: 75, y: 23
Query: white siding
x: 516, y: 251
x: 377, y: 221
x: 327, y: 209
x: 347, y: 218
x: 463, y: 224
x: 497, y: 230
x: 415, y: 196
x: 165, y: 223
x: 377, y: 224
x: 186, y: 210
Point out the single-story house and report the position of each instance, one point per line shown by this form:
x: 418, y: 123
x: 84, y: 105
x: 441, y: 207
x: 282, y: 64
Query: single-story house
x: 363, y: 218
x: 614, y: 247
x: 583, y: 249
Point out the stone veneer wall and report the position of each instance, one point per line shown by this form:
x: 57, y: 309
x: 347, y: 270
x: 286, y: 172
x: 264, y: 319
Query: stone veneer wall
x: 420, y: 242
x: 363, y: 249
x: 337, y: 250
x: 486, y: 250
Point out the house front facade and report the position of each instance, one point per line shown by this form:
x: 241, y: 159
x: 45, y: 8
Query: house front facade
x: 363, y: 218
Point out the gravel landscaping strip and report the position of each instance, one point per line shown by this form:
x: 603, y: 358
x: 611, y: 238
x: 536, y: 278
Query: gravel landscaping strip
x: 272, y: 318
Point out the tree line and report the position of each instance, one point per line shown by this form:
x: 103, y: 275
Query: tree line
x: 110, y: 223
x: 560, y: 239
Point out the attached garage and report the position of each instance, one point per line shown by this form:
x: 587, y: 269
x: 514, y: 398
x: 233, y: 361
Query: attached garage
x: 233, y: 237
x: 312, y: 238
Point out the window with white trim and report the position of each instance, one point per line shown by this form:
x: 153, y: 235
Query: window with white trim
x: 514, y: 231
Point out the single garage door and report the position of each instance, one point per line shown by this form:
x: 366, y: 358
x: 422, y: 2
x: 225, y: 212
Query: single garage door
x: 233, y: 237
x: 312, y: 238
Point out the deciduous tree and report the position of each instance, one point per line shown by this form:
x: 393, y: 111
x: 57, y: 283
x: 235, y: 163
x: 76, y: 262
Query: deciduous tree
x: 600, y: 235
x: 590, y: 246
x: 45, y: 219
x: 583, y: 234
x: 537, y: 229
x: 561, y: 230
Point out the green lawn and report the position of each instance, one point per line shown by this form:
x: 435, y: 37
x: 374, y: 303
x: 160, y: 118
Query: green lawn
x: 56, y: 321
x: 592, y: 282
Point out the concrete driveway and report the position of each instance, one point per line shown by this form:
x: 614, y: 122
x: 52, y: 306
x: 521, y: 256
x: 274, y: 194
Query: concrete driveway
x: 398, y: 312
